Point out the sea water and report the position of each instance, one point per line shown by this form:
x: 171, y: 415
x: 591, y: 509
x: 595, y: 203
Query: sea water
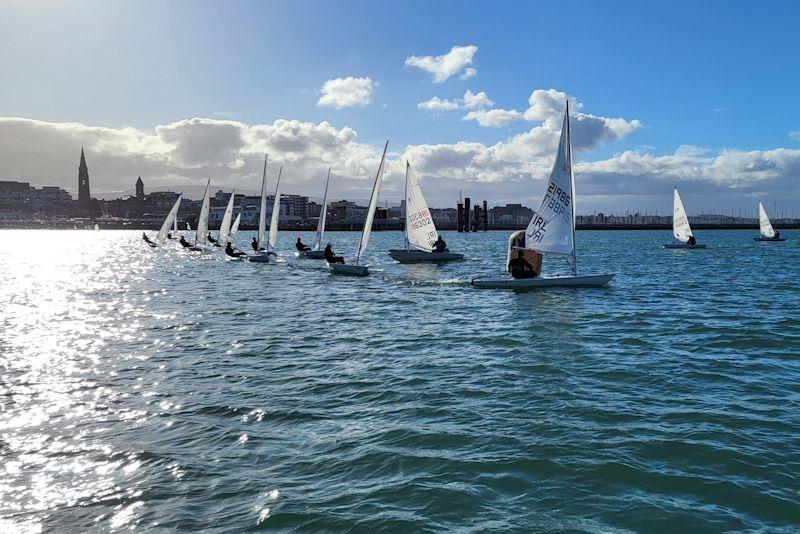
x: 158, y: 389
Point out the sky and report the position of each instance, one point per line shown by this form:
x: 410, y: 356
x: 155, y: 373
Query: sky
x: 694, y: 94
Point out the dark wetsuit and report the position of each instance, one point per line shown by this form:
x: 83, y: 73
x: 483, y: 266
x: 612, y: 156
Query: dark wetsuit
x: 211, y: 239
x: 777, y: 235
x: 439, y: 245
x: 520, y: 268
x: 147, y: 239
x: 230, y: 251
x: 330, y: 257
x: 692, y: 241
x: 301, y: 247
x: 185, y: 243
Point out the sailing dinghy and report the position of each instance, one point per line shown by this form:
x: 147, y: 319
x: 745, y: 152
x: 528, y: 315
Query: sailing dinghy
x: 201, y: 235
x: 420, y: 232
x: 172, y: 216
x: 356, y: 269
x: 768, y: 233
x: 276, y: 215
x: 225, y: 225
x: 551, y: 230
x: 681, y: 231
x: 261, y: 255
x: 316, y: 252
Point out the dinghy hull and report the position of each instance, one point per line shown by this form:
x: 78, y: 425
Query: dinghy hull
x: 683, y: 246
x: 776, y: 239
x: 261, y: 257
x: 419, y: 256
x: 349, y: 270
x: 588, y: 280
x: 311, y: 254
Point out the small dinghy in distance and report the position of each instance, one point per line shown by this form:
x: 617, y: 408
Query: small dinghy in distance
x: 172, y: 217
x: 768, y: 233
x: 356, y: 269
x: 200, y: 236
x: 420, y: 231
x: 225, y: 225
x: 316, y: 253
x: 551, y: 230
x: 261, y: 256
x: 681, y: 231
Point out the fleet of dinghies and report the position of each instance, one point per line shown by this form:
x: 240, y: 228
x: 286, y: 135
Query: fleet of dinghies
x: 550, y: 232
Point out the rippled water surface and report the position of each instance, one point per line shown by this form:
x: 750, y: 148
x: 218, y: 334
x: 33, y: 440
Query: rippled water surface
x: 157, y: 389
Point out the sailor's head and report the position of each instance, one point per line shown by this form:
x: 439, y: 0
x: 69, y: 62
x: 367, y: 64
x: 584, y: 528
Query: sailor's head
x: 298, y: 238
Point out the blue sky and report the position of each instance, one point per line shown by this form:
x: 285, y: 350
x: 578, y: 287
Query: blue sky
x: 717, y: 75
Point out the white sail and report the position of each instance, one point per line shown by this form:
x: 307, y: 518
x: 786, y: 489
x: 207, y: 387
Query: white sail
x: 225, y: 225
x: 373, y: 203
x: 276, y: 213
x: 175, y: 225
x: 262, y: 214
x: 188, y: 226
x: 420, y: 231
x: 322, y: 215
x: 172, y: 216
x: 552, y: 227
x: 763, y: 222
x: 680, y: 222
x: 235, y: 227
x: 202, y: 221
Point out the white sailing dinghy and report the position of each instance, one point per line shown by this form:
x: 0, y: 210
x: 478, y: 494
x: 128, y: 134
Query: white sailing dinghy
x: 681, y: 231
x: 356, y: 269
x: 768, y: 233
x: 172, y: 216
x: 276, y: 214
x: 235, y: 228
x: 201, y: 235
x: 420, y: 232
x: 174, y: 234
x: 551, y: 230
x: 316, y: 252
x: 225, y: 225
x: 260, y: 255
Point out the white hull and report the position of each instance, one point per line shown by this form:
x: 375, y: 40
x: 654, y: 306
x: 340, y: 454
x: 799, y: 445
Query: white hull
x: 311, y: 254
x: 587, y: 280
x: 683, y: 245
x: 776, y: 239
x: 419, y: 256
x: 349, y: 270
x: 260, y: 257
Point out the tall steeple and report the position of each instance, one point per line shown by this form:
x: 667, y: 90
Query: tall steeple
x: 84, y: 198
x: 139, y: 188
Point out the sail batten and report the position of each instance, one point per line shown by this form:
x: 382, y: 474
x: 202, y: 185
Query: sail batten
x: 680, y: 222
x: 172, y: 218
x: 763, y: 222
x: 202, y: 221
x: 373, y: 204
x: 322, y: 216
x: 420, y: 230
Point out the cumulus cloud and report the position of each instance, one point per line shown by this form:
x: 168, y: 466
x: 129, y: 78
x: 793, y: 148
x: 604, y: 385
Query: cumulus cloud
x: 437, y: 104
x: 468, y: 73
x: 443, y: 67
x: 476, y: 100
x: 470, y: 101
x: 493, y: 118
x: 346, y: 92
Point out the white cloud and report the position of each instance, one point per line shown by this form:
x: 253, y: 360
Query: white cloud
x: 476, y: 100
x: 437, y: 104
x: 468, y: 73
x: 493, y: 118
x: 347, y: 92
x: 445, y: 66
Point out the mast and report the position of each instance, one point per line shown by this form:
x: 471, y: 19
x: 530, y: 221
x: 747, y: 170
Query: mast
x: 373, y: 201
x: 405, y: 206
x: 572, y: 186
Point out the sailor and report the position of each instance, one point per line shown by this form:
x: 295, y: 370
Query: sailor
x: 233, y: 253
x: 777, y: 235
x: 147, y: 239
x: 185, y: 243
x: 300, y: 246
x: 330, y: 257
x: 254, y: 244
x: 520, y: 268
x: 211, y: 239
x: 692, y: 241
x: 439, y: 245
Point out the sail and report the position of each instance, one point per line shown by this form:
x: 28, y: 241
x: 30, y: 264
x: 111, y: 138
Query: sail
x: 225, y: 225
x: 276, y: 213
x: 235, y: 227
x: 175, y: 225
x: 420, y: 231
x: 680, y: 222
x: 552, y: 227
x: 202, y: 221
x: 322, y: 215
x: 172, y: 216
x: 262, y: 214
x: 373, y: 203
x: 763, y: 222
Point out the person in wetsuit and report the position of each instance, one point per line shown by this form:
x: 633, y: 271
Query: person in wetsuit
x: 520, y: 268
x: 692, y: 241
x: 185, y: 243
x: 300, y: 246
x: 147, y: 239
x: 211, y: 239
x: 777, y: 235
x: 330, y: 257
x: 439, y: 245
x: 254, y: 244
x: 232, y: 252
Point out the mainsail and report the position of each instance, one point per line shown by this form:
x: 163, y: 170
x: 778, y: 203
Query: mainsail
x: 763, y: 222
x: 225, y: 225
x: 373, y: 203
x: 680, y: 222
x: 235, y: 227
x: 322, y: 215
x: 276, y: 213
x: 552, y: 227
x: 262, y: 214
x: 202, y: 221
x: 172, y: 217
x: 420, y: 231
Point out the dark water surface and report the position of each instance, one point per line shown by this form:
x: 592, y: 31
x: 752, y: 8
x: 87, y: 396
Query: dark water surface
x: 159, y: 390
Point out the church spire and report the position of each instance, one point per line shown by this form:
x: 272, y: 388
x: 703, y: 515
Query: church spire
x: 84, y: 197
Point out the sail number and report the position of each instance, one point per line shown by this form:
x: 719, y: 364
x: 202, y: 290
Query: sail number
x: 538, y: 226
x: 419, y: 219
x: 558, y: 200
